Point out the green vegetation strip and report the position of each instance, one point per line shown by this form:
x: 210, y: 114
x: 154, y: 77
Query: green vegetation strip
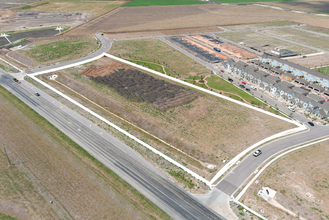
x: 324, y: 70
x: 6, y: 217
x: 163, y: 2
x: 59, y: 49
x: 64, y: 140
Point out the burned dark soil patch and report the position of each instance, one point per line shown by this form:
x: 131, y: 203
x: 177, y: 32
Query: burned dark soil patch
x: 141, y: 87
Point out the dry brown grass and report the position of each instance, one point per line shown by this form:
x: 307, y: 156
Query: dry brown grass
x: 156, y: 51
x: 49, y: 164
x: 80, y: 6
x: 209, y: 129
x: 136, y: 19
x: 312, y: 61
x: 301, y: 180
x: 256, y: 40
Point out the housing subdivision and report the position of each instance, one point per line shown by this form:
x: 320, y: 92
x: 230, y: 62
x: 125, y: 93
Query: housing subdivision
x: 292, y: 84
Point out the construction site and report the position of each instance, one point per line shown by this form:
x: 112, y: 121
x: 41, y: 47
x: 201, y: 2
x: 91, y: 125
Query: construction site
x: 211, y: 48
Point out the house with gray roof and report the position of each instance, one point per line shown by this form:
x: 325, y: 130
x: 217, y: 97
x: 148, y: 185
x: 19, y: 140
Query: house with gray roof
x: 277, y: 71
x: 316, y: 98
x: 297, y: 70
x: 316, y: 87
x: 318, y: 113
x: 302, y: 82
x: 288, y: 76
x: 228, y: 64
x: 300, y: 90
x: 325, y: 107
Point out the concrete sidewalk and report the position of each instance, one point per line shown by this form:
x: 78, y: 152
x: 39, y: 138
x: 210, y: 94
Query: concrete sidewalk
x: 219, y: 202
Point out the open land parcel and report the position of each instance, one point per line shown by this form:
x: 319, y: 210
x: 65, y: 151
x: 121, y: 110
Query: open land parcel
x: 48, y: 166
x: 202, y: 128
x: 134, y: 19
x: 301, y: 182
x: 300, y: 36
x: 46, y: 51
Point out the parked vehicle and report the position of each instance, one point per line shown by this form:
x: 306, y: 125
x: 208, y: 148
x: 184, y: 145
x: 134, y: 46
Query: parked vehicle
x: 222, y: 71
x: 229, y: 79
x: 254, y: 88
x: 242, y: 86
x: 248, y: 89
x: 311, y: 123
x: 291, y: 109
x: 216, y: 49
x: 244, y: 83
x: 257, y: 153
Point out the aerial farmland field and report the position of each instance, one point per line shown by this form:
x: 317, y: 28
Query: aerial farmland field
x: 155, y: 18
x: 163, y: 2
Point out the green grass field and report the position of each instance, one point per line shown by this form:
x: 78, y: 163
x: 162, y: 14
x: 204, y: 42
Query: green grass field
x: 163, y: 2
x: 324, y: 70
x: 219, y: 84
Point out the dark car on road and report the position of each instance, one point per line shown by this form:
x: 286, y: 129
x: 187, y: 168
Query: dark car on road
x: 311, y: 123
x: 248, y: 89
x: 229, y: 79
x: 257, y: 153
x: 242, y: 86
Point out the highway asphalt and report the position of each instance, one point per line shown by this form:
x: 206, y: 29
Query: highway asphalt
x: 114, y: 154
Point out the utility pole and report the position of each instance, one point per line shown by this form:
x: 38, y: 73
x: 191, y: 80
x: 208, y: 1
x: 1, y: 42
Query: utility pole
x: 7, y: 156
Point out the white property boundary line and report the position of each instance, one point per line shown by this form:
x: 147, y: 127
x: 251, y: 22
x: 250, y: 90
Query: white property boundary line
x: 123, y: 131
x: 226, y: 167
x: 11, y: 65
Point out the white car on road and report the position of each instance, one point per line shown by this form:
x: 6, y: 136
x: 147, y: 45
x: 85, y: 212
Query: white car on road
x: 291, y: 109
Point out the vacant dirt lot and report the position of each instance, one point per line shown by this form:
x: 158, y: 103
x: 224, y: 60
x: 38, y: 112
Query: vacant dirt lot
x: 300, y: 37
x: 205, y: 128
x: 256, y: 40
x: 259, y: 25
x: 301, y: 182
x: 135, y: 19
x: 36, y: 19
x: 50, y: 167
x: 156, y: 51
x: 97, y: 7
x: 312, y: 61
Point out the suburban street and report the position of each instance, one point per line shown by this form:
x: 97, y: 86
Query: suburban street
x: 120, y: 158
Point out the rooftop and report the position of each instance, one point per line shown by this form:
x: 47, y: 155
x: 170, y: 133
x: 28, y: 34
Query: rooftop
x: 315, y: 97
x: 296, y: 66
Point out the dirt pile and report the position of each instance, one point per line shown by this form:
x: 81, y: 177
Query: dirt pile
x: 103, y: 70
x: 140, y: 87
x: 6, y: 16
